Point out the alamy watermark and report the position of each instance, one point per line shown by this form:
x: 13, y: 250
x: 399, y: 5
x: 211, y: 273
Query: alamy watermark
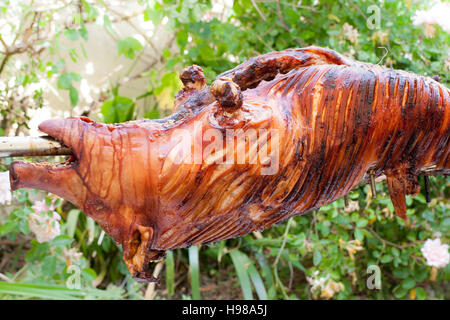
x: 374, y: 280
x: 74, y: 280
x: 374, y: 21
x: 248, y: 146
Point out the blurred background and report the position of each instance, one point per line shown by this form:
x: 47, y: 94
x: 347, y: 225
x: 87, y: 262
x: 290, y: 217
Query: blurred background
x: 115, y: 61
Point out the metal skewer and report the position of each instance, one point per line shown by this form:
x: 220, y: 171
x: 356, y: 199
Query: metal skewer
x: 32, y: 146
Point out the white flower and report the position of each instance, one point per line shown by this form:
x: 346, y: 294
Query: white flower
x: 44, y: 226
x: 436, y: 253
x: 438, y: 14
x: 331, y: 289
x: 350, y: 33
x: 71, y: 255
x: 352, y: 206
x: 315, y: 282
x: 5, y: 188
x: 324, y: 285
x: 352, y: 247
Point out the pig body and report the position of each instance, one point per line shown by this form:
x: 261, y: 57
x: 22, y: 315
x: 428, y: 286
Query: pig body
x: 279, y: 135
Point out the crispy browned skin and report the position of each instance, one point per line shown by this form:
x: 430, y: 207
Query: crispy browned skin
x: 334, y: 119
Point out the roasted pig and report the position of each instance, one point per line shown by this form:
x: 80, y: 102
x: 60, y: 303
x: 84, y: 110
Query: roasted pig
x: 279, y: 135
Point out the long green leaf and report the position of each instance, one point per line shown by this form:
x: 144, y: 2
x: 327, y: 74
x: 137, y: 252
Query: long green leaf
x: 36, y: 291
x: 257, y: 282
x: 270, y: 284
x: 71, y: 223
x: 170, y: 273
x: 53, y: 291
x: 194, y: 272
x: 240, y: 260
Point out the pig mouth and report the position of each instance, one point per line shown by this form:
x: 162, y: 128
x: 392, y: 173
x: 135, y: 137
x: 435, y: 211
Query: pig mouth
x: 138, y: 254
x: 21, y: 171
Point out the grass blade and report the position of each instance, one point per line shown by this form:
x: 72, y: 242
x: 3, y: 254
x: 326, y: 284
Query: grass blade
x: 71, y: 222
x: 170, y: 273
x: 90, y: 226
x: 240, y: 260
x: 194, y: 272
x: 36, y: 291
x: 268, y: 277
x: 55, y: 292
x: 257, y: 282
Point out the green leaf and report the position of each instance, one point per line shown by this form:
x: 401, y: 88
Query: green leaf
x: 408, y: 283
x: 90, y: 226
x: 317, y: 257
x: 62, y: 240
x: 401, y: 273
x: 155, y: 14
x: 267, y: 274
x: 56, y: 292
x: 119, y: 109
x: 240, y: 262
x: 73, y: 94
x: 7, y: 227
x: 128, y: 47
x: 362, y: 223
x: 107, y: 25
x: 359, y: 234
x: 170, y: 273
x: 257, y: 282
x: 421, y: 294
x: 182, y: 38
x: 71, y: 34
x: 194, y: 272
x: 89, y: 274
x: 399, y: 292
x: 49, y: 265
x: 446, y: 223
x: 83, y: 32
x: 386, y: 258
x: 71, y: 222
x: 36, y: 251
x: 64, y: 81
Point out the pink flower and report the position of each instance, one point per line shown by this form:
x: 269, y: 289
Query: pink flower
x: 41, y: 206
x: 45, y: 227
x: 436, y: 253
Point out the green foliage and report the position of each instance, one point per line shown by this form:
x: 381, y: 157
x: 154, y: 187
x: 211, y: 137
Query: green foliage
x: 194, y: 272
x: 170, y: 273
x: 128, y: 47
x: 118, y: 109
x: 246, y: 270
x: 55, y: 292
x: 65, y: 82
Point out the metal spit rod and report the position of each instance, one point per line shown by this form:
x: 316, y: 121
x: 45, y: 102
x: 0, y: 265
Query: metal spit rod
x: 32, y: 147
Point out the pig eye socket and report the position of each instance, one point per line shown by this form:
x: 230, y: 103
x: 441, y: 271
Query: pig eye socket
x: 221, y: 119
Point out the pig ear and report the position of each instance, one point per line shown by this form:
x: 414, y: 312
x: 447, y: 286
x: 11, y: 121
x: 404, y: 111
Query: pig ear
x: 227, y: 93
x: 265, y: 67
